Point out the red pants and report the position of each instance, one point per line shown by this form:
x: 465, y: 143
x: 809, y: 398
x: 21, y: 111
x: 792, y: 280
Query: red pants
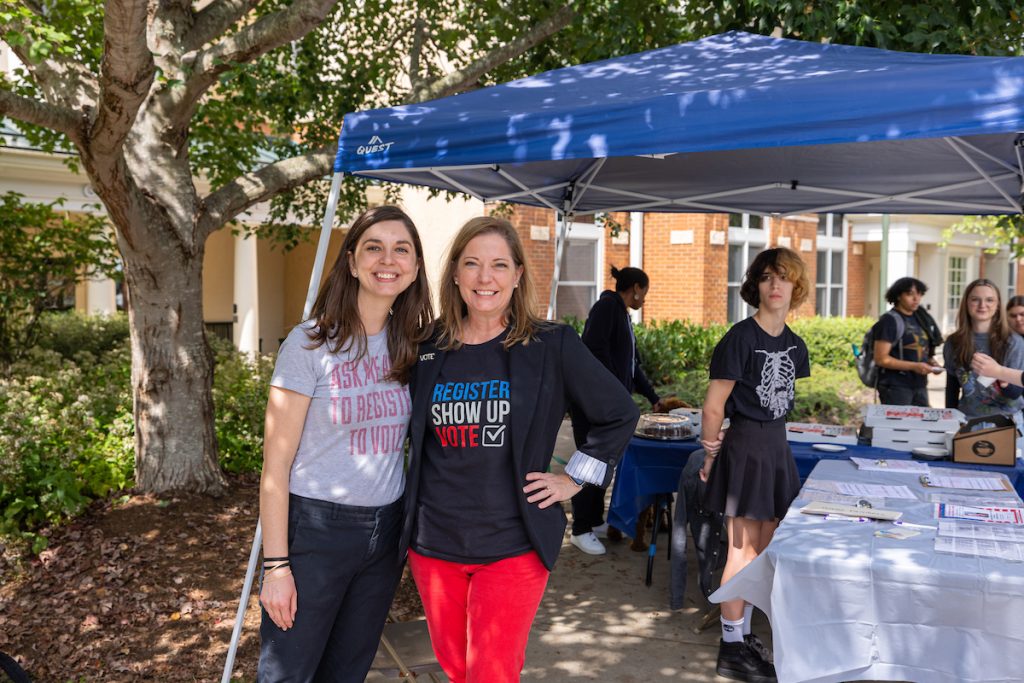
x: 479, y: 615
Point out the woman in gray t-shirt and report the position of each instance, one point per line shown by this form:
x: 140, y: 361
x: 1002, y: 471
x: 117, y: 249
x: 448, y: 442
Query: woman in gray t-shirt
x: 332, y: 487
x: 981, y: 328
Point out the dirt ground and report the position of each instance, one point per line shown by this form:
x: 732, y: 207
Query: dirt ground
x: 142, y: 588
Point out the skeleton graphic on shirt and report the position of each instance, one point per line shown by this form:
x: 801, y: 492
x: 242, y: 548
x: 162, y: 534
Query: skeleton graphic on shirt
x: 777, y: 378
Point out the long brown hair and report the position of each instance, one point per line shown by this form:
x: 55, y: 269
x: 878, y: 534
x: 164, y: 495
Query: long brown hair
x: 523, y: 320
x: 336, y: 310
x: 962, y: 339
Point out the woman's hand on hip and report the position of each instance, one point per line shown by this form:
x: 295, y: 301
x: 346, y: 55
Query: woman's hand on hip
x: 546, y: 488
x: 279, y: 598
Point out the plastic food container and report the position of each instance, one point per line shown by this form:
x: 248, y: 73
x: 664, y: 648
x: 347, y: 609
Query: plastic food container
x: 665, y: 427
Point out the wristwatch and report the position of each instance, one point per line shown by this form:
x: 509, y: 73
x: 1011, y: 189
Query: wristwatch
x: 578, y: 482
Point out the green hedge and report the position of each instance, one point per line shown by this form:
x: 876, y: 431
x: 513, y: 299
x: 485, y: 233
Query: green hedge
x: 830, y: 340
x: 67, y: 430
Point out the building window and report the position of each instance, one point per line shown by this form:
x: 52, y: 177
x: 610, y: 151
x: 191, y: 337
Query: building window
x: 829, y: 284
x: 748, y: 235
x: 830, y: 278
x: 830, y: 224
x: 957, y: 280
x: 1011, y: 279
x: 579, y: 279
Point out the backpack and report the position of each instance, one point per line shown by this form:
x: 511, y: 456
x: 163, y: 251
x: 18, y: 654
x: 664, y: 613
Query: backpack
x: 930, y: 327
x: 864, y: 358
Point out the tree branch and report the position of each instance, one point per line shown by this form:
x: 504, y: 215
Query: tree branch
x: 244, y: 191
x: 62, y: 82
x: 250, y: 42
x: 215, y: 19
x: 126, y: 74
x: 41, y: 114
x: 461, y: 79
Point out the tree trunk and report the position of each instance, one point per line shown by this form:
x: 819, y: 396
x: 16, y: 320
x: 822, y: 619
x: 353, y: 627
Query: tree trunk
x: 172, y: 365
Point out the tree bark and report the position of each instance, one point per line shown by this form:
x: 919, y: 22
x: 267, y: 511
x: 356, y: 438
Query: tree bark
x: 172, y: 365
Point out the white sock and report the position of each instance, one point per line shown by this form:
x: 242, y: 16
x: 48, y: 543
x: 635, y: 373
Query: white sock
x: 748, y: 612
x: 732, y: 631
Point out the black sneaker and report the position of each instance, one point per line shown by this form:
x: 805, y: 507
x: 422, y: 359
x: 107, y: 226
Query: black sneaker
x: 737, y: 661
x: 762, y: 650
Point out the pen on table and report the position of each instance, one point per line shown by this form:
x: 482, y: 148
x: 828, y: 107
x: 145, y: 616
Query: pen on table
x: 898, y: 522
x: 845, y: 518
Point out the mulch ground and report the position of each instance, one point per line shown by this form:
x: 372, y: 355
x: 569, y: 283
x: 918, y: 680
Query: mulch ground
x: 142, y: 588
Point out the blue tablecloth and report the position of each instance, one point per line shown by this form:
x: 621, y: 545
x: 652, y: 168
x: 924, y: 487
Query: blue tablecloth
x: 649, y: 467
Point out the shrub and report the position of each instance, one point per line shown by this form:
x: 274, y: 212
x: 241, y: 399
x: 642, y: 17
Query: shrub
x: 65, y: 439
x: 829, y: 340
x: 828, y: 396
x: 72, y: 334
x: 240, y: 388
x: 67, y: 430
x: 668, y: 349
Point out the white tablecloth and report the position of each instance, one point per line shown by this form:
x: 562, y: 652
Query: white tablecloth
x: 847, y: 605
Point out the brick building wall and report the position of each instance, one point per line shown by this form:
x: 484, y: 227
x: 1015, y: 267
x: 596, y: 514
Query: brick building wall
x: 856, y: 278
x: 801, y: 236
x: 688, y: 279
x: 532, y: 224
x: 615, y: 254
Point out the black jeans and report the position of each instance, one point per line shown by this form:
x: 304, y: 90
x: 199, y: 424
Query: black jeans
x: 346, y: 568
x: 903, y: 396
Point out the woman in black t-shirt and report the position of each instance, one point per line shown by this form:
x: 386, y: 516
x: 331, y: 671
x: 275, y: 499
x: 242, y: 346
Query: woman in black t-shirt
x: 482, y: 523
x: 752, y: 477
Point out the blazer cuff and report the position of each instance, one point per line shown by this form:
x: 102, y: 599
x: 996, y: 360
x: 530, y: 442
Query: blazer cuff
x: 587, y: 468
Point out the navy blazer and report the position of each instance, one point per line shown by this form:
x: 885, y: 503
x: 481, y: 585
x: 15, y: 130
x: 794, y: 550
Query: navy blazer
x: 547, y: 375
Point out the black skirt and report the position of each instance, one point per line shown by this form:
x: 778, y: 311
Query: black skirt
x: 754, y: 475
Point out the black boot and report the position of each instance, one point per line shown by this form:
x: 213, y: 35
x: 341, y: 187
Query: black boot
x: 739, y: 662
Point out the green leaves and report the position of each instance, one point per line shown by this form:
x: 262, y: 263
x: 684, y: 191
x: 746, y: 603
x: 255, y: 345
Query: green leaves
x: 43, y: 253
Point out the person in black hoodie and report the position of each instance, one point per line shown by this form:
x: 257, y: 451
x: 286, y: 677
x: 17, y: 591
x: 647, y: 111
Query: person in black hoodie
x: 608, y: 334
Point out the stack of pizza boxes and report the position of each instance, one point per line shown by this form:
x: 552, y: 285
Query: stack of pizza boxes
x: 904, y: 428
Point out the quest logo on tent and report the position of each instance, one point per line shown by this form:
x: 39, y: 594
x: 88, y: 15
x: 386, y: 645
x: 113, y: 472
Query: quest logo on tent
x: 374, y: 145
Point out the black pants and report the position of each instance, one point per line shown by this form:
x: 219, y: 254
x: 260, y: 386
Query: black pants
x: 346, y: 568
x: 903, y: 396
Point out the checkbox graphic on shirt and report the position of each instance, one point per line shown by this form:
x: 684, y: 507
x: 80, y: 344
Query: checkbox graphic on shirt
x: 493, y: 436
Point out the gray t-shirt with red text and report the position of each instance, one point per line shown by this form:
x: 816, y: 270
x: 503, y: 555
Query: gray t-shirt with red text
x: 351, y: 446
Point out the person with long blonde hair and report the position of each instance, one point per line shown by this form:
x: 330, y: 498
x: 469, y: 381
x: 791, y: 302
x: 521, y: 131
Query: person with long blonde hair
x: 981, y: 329
x: 483, y: 522
x: 333, y: 480
x: 751, y: 474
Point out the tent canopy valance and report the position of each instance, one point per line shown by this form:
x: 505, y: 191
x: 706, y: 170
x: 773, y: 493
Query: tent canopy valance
x: 730, y: 123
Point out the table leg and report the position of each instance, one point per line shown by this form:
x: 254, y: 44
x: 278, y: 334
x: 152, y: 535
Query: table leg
x: 659, y: 504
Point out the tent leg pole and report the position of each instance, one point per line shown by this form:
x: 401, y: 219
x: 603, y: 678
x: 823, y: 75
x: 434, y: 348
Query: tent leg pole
x: 257, y: 540
x: 321, y: 247
x: 560, y: 237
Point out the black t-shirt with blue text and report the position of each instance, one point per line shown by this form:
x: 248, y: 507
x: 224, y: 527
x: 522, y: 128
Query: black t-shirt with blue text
x: 468, y: 507
x: 765, y: 369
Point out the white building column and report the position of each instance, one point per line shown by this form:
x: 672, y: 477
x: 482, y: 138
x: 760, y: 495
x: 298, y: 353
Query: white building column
x: 246, y: 295
x: 902, y: 248
x: 100, y: 297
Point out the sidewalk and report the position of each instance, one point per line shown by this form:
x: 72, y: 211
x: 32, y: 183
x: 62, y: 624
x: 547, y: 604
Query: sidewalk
x: 599, y: 622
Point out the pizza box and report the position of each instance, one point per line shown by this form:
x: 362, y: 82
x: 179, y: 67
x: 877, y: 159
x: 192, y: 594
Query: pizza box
x: 809, y: 432
x: 913, y: 417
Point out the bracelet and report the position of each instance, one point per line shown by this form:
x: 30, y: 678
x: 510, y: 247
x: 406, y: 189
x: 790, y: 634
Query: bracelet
x: 275, y: 559
x: 270, y: 579
x: 274, y: 568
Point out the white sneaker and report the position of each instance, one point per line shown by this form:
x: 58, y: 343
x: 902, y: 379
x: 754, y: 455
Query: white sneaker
x: 588, y: 543
x: 601, y: 531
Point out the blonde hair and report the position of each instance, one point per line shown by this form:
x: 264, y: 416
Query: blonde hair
x: 523, y: 321
x: 786, y: 263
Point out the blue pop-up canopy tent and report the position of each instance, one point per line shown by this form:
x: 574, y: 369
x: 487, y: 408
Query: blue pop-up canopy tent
x: 731, y: 123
